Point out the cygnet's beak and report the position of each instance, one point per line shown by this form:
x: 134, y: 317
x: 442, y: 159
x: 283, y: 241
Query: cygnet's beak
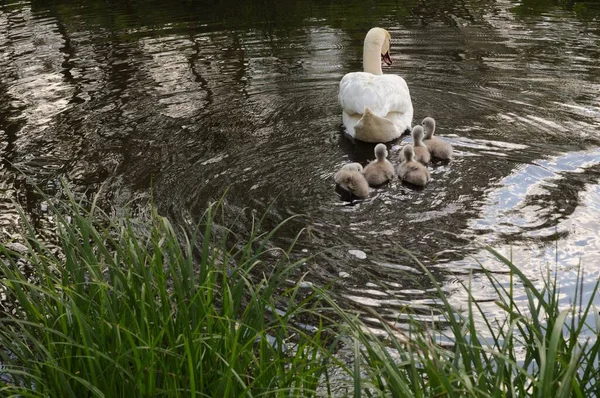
x: 386, y: 58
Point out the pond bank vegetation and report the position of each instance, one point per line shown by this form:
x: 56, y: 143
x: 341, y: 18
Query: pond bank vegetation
x: 138, y: 308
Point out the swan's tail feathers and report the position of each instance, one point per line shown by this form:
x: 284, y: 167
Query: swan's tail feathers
x: 373, y: 128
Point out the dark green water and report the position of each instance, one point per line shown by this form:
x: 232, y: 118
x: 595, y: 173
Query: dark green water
x: 185, y: 99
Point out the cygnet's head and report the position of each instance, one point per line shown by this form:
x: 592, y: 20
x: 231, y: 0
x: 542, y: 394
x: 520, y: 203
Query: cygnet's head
x: 353, y: 167
x: 429, y: 127
x: 409, y: 153
x: 417, y: 134
x: 381, y: 151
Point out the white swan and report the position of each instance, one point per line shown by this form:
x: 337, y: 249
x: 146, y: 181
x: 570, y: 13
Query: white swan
x: 385, y: 96
x: 380, y: 170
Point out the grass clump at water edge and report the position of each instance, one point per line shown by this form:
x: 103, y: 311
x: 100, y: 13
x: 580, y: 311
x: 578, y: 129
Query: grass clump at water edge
x: 125, y: 309
x: 138, y: 308
x: 540, y: 349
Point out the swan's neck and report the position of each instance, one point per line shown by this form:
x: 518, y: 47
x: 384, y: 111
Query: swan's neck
x: 372, y: 58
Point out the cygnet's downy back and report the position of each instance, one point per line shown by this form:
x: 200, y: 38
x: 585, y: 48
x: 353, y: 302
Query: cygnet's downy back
x: 421, y: 152
x: 351, y: 179
x: 380, y: 170
x: 437, y: 147
x: 411, y: 171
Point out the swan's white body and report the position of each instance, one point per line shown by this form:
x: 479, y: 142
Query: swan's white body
x: 386, y: 96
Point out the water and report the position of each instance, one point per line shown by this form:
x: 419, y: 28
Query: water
x: 186, y: 100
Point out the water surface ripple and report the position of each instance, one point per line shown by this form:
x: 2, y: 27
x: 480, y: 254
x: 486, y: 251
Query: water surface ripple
x: 186, y: 101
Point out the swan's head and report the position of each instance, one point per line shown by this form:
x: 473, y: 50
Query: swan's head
x: 417, y: 135
x: 381, y: 152
x: 380, y: 38
x: 429, y: 127
x: 376, y: 49
x: 409, y: 152
x: 353, y: 167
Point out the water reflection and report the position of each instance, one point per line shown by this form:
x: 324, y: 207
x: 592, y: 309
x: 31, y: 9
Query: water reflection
x: 34, y: 92
x: 543, y: 202
x: 176, y: 88
x: 187, y: 100
x: 33, y: 66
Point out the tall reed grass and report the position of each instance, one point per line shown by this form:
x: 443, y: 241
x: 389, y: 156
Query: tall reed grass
x: 533, y: 350
x: 128, y: 308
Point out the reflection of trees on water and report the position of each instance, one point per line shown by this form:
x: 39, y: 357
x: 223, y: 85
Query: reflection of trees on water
x: 585, y: 10
x: 279, y: 17
x: 33, y: 66
x: 33, y: 91
x: 177, y: 97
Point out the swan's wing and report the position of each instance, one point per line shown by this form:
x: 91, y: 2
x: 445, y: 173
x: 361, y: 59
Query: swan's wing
x: 396, y: 93
x: 382, y: 94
